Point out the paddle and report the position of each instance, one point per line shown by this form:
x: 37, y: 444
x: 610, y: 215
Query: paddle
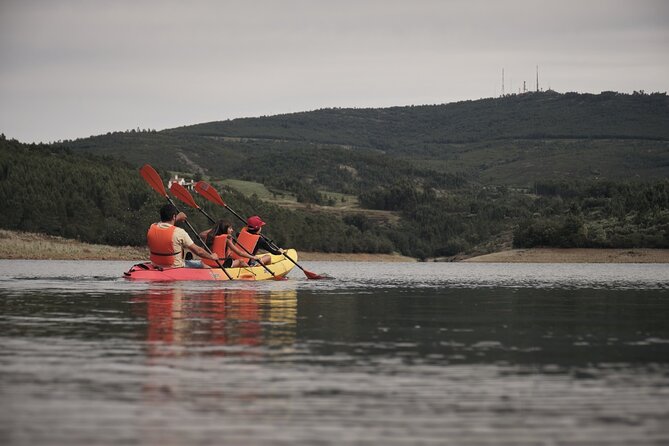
x: 182, y: 194
x: 151, y: 176
x: 208, y: 192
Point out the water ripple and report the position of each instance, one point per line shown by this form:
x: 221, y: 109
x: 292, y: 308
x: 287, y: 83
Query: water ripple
x: 384, y: 354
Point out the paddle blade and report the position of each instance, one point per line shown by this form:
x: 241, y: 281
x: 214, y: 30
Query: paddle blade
x: 207, y: 191
x: 151, y: 176
x: 182, y: 194
x: 314, y: 276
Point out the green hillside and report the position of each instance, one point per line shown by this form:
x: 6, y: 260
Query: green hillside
x: 427, y: 181
x: 512, y: 141
x: 97, y: 199
x: 545, y: 115
x: 84, y: 197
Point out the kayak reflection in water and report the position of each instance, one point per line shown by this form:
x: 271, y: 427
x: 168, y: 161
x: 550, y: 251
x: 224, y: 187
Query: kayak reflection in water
x: 217, y: 317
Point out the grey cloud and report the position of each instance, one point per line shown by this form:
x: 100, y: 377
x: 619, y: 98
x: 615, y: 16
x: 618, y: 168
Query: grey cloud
x: 165, y: 63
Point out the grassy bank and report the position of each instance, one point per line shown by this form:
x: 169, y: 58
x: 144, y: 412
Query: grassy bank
x: 25, y: 245
x: 556, y: 255
x: 343, y: 257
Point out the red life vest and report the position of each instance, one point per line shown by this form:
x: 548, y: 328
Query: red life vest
x: 161, y: 245
x: 219, y: 246
x: 246, y: 242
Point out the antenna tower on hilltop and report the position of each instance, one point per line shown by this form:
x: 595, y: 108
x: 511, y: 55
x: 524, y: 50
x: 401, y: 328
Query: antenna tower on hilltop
x: 537, y: 78
x: 502, y: 82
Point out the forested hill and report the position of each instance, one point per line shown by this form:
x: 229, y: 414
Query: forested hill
x: 538, y: 169
x: 515, y: 140
x: 95, y: 199
x: 526, y: 116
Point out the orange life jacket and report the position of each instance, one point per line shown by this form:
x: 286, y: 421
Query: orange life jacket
x: 219, y: 246
x: 161, y: 245
x: 246, y: 242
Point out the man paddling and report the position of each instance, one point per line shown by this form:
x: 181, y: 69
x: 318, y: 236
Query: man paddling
x: 168, y: 243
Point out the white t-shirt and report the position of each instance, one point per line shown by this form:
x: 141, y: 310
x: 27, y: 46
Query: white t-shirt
x: 180, y: 242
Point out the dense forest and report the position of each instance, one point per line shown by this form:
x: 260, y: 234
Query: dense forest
x: 102, y: 200
x: 514, y: 140
x: 538, y: 169
x: 597, y: 215
x: 93, y: 199
x: 528, y: 116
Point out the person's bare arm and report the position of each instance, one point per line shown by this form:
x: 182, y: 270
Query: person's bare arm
x: 202, y: 252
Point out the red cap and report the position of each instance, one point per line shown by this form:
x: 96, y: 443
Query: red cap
x: 254, y: 222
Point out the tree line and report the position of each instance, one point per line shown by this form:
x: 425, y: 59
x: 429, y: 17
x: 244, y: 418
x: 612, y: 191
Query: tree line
x: 65, y: 190
x: 597, y: 215
x: 84, y: 197
x: 532, y: 115
x: 103, y: 200
x: 96, y: 199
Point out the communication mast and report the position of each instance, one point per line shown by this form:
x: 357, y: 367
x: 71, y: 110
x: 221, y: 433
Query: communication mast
x: 537, y: 78
x: 502, y: 82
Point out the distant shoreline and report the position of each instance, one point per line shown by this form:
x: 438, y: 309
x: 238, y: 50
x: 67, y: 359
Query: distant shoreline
x: 533, y: 255
x: 574, y: 255
x: 30, y: 246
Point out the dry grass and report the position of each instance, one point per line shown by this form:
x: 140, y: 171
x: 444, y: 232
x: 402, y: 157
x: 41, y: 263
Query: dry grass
x: 343, y: 257
x: 25, y: 245
x: 555, y: 255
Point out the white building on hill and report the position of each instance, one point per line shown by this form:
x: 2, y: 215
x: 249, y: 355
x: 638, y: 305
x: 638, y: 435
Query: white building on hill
x: 188, y: 184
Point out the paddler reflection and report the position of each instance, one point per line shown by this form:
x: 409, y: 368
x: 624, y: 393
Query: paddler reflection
x: 194, y: 336
x: 184, y: 322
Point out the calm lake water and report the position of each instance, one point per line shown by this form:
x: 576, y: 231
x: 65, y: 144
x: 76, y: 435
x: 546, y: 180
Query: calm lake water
x: 424, y: 353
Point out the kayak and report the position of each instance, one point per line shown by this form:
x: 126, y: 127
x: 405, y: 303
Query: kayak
x: 280, y: 266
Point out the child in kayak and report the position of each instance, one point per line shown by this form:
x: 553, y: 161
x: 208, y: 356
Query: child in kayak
x: 249, y: 237
x: 219, y: 240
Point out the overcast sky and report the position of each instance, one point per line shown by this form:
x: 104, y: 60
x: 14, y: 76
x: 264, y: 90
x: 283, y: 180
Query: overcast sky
x: 71, y: 69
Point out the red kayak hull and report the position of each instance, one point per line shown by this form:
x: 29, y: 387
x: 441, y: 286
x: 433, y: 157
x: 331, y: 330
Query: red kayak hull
x: 280, y: 267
